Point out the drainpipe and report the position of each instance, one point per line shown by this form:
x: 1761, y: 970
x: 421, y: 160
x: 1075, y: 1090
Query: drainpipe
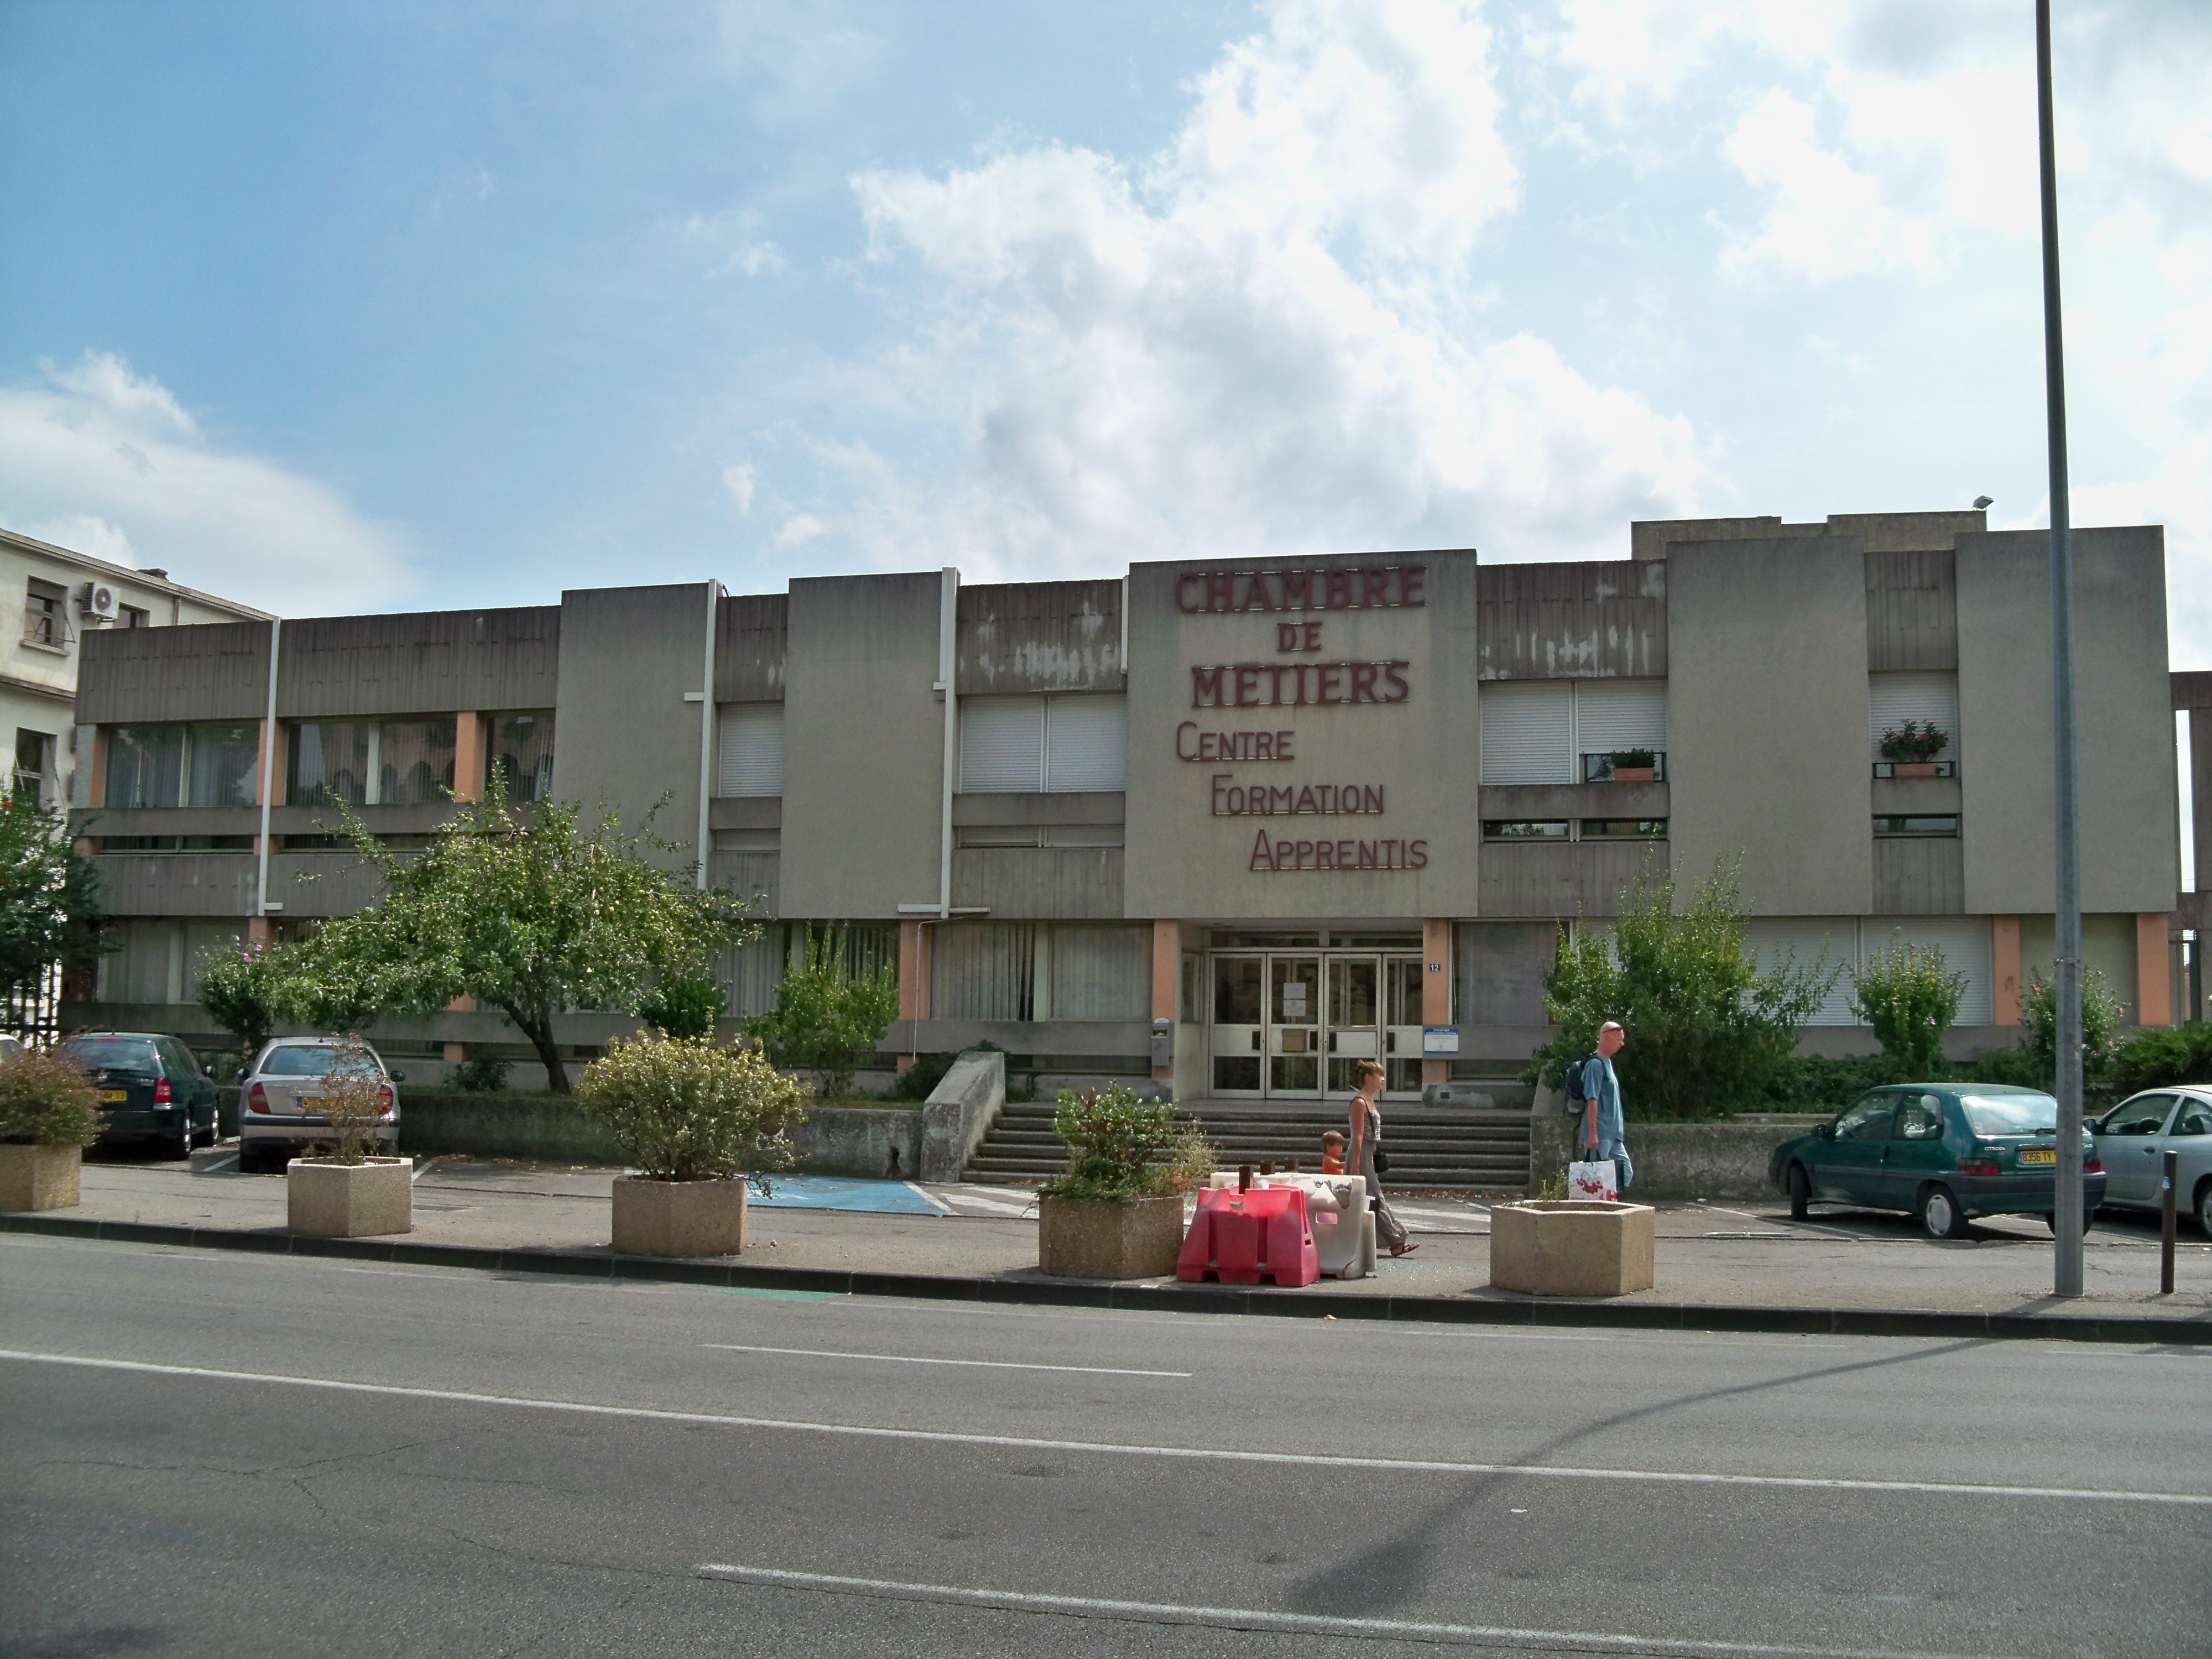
x: 948, y: 624
x: 268, y: 774
x: 707, y: 728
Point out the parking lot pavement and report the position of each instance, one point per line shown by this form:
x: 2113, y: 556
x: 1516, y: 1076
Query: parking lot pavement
x: 1722, y: 1254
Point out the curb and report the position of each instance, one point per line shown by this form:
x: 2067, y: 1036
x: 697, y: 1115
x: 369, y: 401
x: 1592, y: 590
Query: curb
x: 2134, y: 1330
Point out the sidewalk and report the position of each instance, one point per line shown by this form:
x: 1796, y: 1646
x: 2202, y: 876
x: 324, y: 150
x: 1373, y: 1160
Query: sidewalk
x: 1738, y: 1261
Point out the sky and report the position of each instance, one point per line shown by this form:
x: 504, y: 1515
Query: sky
x: 343, y: 306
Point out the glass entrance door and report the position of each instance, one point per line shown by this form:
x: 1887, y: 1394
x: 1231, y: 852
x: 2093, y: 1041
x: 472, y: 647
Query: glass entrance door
x: 1292, y: 1024
x: 1240, y: 1002
x: 1355, y: 1020
x: 1402, y: 979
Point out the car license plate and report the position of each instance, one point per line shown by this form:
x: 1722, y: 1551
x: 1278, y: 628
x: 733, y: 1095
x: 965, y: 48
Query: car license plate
x: 312, y: 1102
x: 2038, y: 1155
x: 115, y: 1094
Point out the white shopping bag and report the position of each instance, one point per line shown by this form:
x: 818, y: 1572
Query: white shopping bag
x: 1594, y: 1184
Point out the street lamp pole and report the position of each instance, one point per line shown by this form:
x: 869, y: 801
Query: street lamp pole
x: 2067, y: 1220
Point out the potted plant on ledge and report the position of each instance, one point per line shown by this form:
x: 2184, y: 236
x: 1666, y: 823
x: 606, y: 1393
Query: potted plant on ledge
x: 49, y: 1114
x: 694, y: 1117
x: 1912, y: 747
x: 1117, y: 1211
x: 1635, y: 765
x: 349, y: 1192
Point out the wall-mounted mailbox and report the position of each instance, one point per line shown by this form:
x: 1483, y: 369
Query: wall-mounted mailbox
x: 1162, y: 1042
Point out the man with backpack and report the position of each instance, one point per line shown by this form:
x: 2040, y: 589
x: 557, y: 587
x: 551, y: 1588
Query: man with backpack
x: 1593, y: 1095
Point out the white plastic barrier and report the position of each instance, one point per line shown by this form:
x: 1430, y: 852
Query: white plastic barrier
x: 1336, y: 1209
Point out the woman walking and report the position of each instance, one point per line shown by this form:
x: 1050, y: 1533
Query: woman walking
x: 1366, y: 1125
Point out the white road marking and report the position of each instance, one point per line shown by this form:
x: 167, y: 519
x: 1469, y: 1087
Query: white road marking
x: 1288, y: 1623
x: 915, y: 1359
x: 994, y: 1206
x: 222, y: 1163
x: 941, y: 1208
x: 421, y: 1169
x: 1106, y: 1447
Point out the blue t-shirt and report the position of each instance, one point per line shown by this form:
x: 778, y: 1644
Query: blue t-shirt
x: 1604, y: 1086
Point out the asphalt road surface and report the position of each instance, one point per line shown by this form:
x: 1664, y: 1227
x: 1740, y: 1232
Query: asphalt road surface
x: 230, y: 1455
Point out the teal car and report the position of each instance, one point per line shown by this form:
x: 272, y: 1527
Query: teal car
x: 1943, y: 1151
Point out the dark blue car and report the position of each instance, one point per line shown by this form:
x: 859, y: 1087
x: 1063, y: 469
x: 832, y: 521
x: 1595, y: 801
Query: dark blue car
x: 1943, y: 1151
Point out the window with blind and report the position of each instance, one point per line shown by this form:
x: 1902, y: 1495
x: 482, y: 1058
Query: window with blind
x: 1062, y: 745
x: 1539, y: 731
x: 1846, y: 942
x: 751, y: 749
x: 1893, y: 699
x: 984, y: 970
x: 1823, y: 942
x: 1101, y: 973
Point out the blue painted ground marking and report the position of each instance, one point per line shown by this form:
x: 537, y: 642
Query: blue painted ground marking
x: 801, y: 1192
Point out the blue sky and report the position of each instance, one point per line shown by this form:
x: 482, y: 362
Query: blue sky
x: 337, y: 306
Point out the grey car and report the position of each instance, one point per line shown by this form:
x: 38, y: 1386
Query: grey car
x: 278, y: 1097
x: 2134, y: 1138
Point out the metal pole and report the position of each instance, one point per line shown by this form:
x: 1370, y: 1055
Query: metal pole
x: 704, y: 845
x: 2172, y: 1160
x: 267, y: 777
x: 2066, y: 1261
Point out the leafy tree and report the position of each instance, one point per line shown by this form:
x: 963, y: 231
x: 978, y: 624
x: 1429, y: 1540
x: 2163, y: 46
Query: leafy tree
x: 1910, y: 995
x: 684, y: 1004
x: 682, y: 1109
x: 531, y: 917
x: 239, y: 988
x: 2038, y: 1020
x: 827, y: 1017
x: 1706, y: 1026
x: 49, y: 898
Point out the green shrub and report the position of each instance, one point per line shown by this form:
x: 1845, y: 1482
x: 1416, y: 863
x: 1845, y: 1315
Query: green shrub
x: 827, y: 1017
x: 684, y: 1109
x: 1121, y: 1147
x: 1910, y: 995
x: 45, y: 1101
x: 2159, y: 1058
x: 240, y: 987
x: 483, y: 1072
x: 2038, y: 1020
x: 1826, y: 1082
x: 684, y: 1004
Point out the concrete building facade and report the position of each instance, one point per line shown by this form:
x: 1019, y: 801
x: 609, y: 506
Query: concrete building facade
x: 1303, y: 810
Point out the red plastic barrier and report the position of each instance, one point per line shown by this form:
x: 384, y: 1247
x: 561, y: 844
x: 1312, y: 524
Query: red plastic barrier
x: 1242, y: 1237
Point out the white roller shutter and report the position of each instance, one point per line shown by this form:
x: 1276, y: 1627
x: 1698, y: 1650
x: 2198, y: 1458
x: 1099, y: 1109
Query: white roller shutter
x: 1613, y: 714
x: 1893, y: 699
x: 1528, y: 732
x: 1086, y: 743
x: 751, y: 749
x: 1823, y: 942
x: 1001, y: 746
x: 1965, y: 943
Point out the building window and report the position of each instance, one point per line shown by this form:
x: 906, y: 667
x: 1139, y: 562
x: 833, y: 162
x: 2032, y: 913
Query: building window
x: 45, y: 615
x: 1926, y: 700
x: 1071, y: 744
x: 751, y: 741
x: 369, y: 763
x: 1568, y: 731
x: 34, y: 765
x: 1624, y: 830
x: 180, y: 844
x: 1524, y: 828
x: 207, y: 765
x: 221, y: 765
x: 130, y: 615
x: 1939, y: 825
x: 522, y: 747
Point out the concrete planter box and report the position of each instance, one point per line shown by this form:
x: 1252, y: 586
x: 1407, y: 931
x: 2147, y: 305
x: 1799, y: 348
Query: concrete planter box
x: 1098, y: 1238
x: 1561, y: 1248
x: 349, y: 1200
x: 39, y: 1177
x: 678, y: 1218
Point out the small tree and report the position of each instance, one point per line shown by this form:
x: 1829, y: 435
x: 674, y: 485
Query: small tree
x: 46, y: 1100
x: 239, y: 988
x: 532, y: 919
x: 826, y: 1016
x: 2038, y: 1020
x: 682, y: 1108
x: 49, y: 898
x: 684, y: 1004
x: 1121, y: 1147
x: 1706, y: 1026
x: 354, y: 1096
x: 1910, y: 995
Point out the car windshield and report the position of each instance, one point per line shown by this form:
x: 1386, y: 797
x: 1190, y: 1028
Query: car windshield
x: 299, y: 1062
x: 115, y: 1053
x: 2011, y: 1114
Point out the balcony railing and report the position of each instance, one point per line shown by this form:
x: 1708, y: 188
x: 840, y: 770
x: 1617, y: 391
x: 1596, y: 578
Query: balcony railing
x: 1934, y: 769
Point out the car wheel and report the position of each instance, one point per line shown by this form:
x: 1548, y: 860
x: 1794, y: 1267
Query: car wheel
x: 2204, y: 1208
x: 1940, y: 1214
x: 181, y: 1144
x: 1801, y: 1193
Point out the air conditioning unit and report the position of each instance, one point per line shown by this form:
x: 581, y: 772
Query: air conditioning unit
x: 97, y: 600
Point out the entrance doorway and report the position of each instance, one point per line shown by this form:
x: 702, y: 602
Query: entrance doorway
x: 1291, y: 1024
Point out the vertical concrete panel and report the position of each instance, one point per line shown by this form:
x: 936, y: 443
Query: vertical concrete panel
x: 2153, y: 988
x: 2128, y: 798
x: 1767, y: 721
x: 863, y: 745
x: 623, y: 737
x: 2004, y: 968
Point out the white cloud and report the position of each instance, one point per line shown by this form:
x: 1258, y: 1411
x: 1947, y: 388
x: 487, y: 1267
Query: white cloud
x: 1262, y: 337
x: 1824, y: 218
x: 800, y: 528
x: 753, y: 259
x: 108, y: 462
x: 739, y: 481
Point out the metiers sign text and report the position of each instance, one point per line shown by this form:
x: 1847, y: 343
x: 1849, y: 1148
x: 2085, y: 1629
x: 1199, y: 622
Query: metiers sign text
x: 1300, y: 674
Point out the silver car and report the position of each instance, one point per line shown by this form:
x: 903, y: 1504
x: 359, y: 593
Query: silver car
x: 2134, y: 1138
x: 277, y: 1101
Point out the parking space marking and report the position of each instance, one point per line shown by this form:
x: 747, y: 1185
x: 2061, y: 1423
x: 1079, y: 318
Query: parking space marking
x: 1120, y: 1449
x: 916, y: 1359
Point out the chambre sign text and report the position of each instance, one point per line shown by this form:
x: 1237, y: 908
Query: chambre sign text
x: 1367, y: 588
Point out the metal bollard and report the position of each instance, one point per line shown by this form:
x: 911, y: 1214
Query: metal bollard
x: 2166, y: 1185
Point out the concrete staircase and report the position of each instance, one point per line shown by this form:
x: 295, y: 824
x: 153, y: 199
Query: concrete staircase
x: 1428, y: 1150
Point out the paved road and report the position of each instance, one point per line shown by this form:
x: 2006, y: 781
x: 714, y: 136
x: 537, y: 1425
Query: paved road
x: 301, y: 1457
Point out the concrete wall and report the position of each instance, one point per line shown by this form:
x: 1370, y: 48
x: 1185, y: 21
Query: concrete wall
x: 427, y: 662
x: 1040, y: 636
x: 1767, y: 721
x: 859, y: 1140
x: 863, y: 743
x: 1588, y: 620
x: 1675, y: 1162
x: 146, y: 675
x: 2128, y: 784
x: 1185, y: 862
x: 622, y: 735
x: 959, y: 1112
